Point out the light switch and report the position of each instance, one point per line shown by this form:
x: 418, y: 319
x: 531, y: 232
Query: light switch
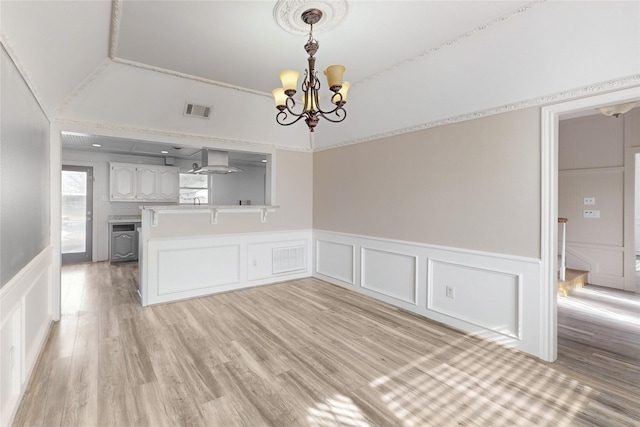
x: 589, y: 200
x: 590, y: 214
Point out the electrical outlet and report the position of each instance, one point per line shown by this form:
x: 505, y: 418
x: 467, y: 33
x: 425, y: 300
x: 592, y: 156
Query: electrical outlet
x: 450, y: 291
x: 588, y: 213
x: 589, y: 200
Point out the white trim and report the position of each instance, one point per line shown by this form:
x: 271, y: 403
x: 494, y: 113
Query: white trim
x: 363, y: 275
x: 522, y: 311
x: 8, y: 47
x: 352, y: 280
x: 630, y: 191
x: 33, y: 279
x: 628, y: 81
x: 431, y: 246
x: 550, y: 116
x: 201, y: 251
x: 519, y: 278
x: 55, y: 154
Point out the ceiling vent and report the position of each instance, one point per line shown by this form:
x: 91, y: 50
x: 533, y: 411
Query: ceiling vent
x: 193, y: 110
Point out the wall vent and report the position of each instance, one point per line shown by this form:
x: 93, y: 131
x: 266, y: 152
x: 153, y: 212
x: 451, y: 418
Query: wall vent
x: 288, y: 259
x: 194, y: 110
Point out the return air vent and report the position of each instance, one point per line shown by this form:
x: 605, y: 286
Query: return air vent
x: 193, y: 110
x: 288, y: 259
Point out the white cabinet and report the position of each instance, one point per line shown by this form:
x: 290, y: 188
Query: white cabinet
x: 122, y: 181
x: 168, y: 183
x: 144, y: 183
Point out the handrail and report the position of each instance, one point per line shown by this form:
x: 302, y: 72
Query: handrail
x: 563, y: 248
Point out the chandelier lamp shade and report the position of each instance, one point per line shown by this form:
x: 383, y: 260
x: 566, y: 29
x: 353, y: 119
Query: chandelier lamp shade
x: 309, y: 109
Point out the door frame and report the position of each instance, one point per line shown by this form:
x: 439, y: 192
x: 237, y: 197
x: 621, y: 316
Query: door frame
x: 92, y: 190
x: 550, y: 117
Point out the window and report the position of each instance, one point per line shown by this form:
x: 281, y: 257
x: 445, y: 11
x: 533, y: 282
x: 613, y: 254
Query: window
x: 194, y: 188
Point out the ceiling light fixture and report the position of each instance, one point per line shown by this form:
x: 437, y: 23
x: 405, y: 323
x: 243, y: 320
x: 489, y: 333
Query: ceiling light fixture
x: 164, y: 152
x: 311, y: 111
x: 96, y: 145
x: 617, y: 110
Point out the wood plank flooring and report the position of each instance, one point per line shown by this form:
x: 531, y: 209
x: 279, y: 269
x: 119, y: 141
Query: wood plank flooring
x: 306, y: 353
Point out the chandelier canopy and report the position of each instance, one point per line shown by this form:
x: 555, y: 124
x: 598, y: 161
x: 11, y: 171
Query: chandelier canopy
x: 311, y: 110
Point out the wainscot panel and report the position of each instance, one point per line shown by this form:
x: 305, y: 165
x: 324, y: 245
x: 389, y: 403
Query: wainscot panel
x: 199, y: 267
x: 605, y: 264
x: 25, y: 307
x: 172, y: 269
x: 389, y: 273
x: 472, y: 294
x: 495, y: 296
x: 336, y: 260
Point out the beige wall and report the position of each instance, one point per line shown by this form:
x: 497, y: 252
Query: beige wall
x: 591, y: 164
x: 294, y: 172
x: 472, y: 185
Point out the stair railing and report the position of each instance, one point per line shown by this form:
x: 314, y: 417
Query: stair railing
x: 563, y: 247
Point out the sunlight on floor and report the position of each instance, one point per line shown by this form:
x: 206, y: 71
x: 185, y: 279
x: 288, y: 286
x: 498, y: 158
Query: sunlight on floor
x: 72, y: 286
x: 483, y: 385
x: 606, y: 314
x: 603, y: 296
x: 336, y: 411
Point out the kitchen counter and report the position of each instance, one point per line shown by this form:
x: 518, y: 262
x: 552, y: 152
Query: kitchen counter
x: 214, y: 210
x: 116, y: 219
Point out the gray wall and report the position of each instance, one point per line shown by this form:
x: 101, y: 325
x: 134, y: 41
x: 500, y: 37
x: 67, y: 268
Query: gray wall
x: 24, y: 174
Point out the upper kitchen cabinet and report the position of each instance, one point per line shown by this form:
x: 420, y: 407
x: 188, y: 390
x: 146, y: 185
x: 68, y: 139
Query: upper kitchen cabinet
x: 143, y: 183
x: 122, y: 182
x: 168, y: 183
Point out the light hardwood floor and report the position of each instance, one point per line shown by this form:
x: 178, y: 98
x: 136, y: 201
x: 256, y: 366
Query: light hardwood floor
x: 304, y: 353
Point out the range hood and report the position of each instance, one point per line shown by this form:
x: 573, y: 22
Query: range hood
x: 214, y: 161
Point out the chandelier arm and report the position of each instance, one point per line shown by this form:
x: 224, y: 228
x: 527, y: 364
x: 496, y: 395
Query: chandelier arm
x: 288, y: 107
x: 282, y: 116
x: 340, y: 112
x: 339, y: 105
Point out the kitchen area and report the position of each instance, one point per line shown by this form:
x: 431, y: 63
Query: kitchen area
x: 127, y: 175
x: 196, y: 220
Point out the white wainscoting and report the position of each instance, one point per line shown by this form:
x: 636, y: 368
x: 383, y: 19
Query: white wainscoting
x: 187, y: 267
x: 495, y: 296
x: 25, y: 308
x: 390, y: 273
x: 605, y: 264
x: 475, y: 292
x: 336, y: 260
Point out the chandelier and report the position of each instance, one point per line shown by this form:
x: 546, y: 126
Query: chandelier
x: 311, y: 110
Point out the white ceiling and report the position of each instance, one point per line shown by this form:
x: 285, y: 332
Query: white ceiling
x: 126, y: 68
x: 239, y: 42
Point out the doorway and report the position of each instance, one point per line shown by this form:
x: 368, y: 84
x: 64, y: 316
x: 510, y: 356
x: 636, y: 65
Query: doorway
x: 550, y: 116
x: 77, y: 214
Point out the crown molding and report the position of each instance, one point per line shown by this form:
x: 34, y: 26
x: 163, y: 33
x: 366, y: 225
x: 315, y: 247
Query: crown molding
x: 8, y: 47
x: 188, y: 76
x: 82, y: 86
x: 594, y: 89
x: 116, y: 16
x: 61, y: 121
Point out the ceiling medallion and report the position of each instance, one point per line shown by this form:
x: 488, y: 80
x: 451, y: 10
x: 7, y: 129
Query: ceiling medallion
x: 288, y: 14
